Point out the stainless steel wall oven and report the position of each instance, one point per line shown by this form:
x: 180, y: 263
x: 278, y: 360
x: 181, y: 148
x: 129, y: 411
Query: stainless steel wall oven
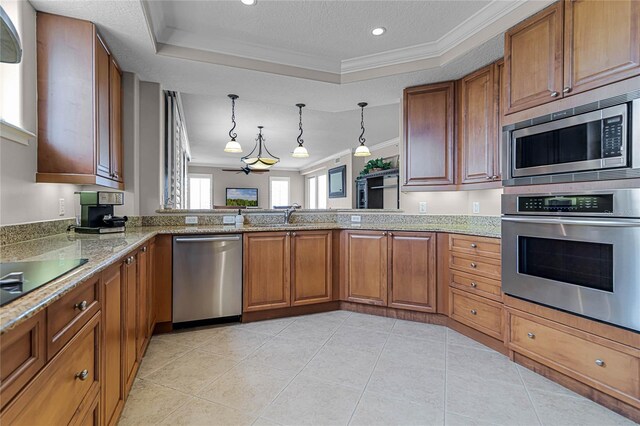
x: 576, y: 252
x: 592, y: 142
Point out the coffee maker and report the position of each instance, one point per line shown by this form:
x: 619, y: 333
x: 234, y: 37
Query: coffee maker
x: 96, y: 212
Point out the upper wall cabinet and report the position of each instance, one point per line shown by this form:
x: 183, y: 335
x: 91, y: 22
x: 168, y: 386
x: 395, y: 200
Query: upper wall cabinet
x: 79, y: 105
x: 533, y: 60
x: 570, y: 47
x: 428, y: 135
x: 478, y: 141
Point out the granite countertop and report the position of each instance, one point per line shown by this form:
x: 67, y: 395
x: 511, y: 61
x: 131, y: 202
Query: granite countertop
x: 104, y: 250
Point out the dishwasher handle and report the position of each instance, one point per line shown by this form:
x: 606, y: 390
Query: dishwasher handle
x: 208, y: 239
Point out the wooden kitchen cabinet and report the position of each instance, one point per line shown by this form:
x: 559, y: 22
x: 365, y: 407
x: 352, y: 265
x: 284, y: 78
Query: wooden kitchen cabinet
x: 113, y: 393
x: 366, y: 267
x: 142, y: 332
x: 479, y: 142
x: 412, y: 271
x: 79, y: 105
x: 151, y: 306
x: 601, y: 43
x: 130, y: 320
x: 533, y: 60
x: 428, y: 125
x: 311, y: 267
x: 266, y: 271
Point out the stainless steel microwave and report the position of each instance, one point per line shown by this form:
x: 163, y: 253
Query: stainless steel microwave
x: 575, y: 145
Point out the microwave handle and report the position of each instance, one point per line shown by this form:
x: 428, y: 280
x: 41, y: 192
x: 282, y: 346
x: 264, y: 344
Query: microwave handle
x: 583, y: 222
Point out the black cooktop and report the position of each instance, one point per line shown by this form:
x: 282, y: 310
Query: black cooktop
x: 20, y: 278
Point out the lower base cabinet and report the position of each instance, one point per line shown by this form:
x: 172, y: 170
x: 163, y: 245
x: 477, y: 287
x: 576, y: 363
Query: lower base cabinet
x: 366, y: 267
x: 113, y: 387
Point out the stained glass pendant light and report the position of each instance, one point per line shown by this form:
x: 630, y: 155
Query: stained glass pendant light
x: 362, y: 150
x: 262, y: 159
x: 232, y: 145
x: 300, y: 151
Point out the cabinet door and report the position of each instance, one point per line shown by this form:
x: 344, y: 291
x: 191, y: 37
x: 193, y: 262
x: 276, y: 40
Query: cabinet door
x: 142, y: 333
x: 130, y: 320
x: 478, y: 121
x: 151, y: 306
x: 533, y: 60
x: 601, y: 43
x: 428, y: 135
x: 113, y: 389
x: 367, y: 267
x: 103, y: 111
x: 310, y: 267
x: 266, y: 271
x: 115, y: 103
x: 412, y: 271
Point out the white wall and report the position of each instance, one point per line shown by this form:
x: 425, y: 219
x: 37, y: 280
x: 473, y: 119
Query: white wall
x: 150, y: 152
x: 223, y: 180
x: 21, y: 198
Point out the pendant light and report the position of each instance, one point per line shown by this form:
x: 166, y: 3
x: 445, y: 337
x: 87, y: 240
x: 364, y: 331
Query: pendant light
x: 260, y: 160
x: 232, y: 145
x: 300, y: 151
x: 362, y: 150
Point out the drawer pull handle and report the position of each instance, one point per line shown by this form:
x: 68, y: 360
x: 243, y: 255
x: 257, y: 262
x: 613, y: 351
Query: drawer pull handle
x: 474, y: 245
x: 82, y: 375
x: 144, y: 249
x: 554, y: 94
x: 599, y: 363
x: 531, y: 335
x: 474, y: 312
x: 474, y: 285
x: 566, y: 90
x: 473, y: 265
x: 81, y: 306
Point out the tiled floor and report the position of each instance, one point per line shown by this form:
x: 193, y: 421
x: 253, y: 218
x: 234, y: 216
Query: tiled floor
x: 343, y: 368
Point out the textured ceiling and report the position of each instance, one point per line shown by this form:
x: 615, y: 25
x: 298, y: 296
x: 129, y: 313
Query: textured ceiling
x: 331, y: 122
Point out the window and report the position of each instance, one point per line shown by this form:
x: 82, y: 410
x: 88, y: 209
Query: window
x: 279, y: 190
x: 317, y: 192
x: 11, y: 74
x: 200, y: 191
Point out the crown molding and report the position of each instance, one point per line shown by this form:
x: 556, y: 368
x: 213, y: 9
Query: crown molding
x: 227, y: 166
x: 384, y: 144
x: 304, y: 169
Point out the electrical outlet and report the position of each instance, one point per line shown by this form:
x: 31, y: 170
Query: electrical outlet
x: 422, y: 207
x: 61, y: 207
x: 356, y: 218
x: 476, y: 207
x: 191, y: 220
x: 228, y: 220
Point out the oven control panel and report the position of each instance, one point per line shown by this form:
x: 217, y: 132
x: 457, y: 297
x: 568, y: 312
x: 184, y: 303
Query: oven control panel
x: 612, y: 137
x: 600, y: 203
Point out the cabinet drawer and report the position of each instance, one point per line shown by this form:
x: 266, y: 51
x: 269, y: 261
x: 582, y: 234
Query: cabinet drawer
x: 477, y: 285
x: 477, y: 312
x: 68, y: 314
x: 611, y: 367
x: 57, y: 392
x: 22, y: 355
x: 476, y: 265
x: 479, y: 246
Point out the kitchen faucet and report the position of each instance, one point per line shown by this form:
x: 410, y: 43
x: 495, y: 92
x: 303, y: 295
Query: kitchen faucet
x: 289, y: 211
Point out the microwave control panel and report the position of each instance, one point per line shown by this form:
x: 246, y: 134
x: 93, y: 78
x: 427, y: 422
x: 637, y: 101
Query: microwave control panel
x: 601, y: 203
x: 612, y: 137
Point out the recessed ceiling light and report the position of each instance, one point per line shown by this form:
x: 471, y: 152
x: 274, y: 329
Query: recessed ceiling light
x: 377, y: 31
x: 249, y: 2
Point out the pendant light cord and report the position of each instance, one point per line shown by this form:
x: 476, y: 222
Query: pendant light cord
x: 233, y: 135
x: 299, y: 139
x: 361, y: 138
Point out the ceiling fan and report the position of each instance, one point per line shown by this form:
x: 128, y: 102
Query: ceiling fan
x: 246, y: 170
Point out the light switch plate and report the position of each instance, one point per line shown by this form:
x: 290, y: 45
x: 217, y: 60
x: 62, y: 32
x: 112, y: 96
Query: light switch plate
x: 476, y: 207
x: 422, y: 207
x: 356, y: 218
x: 191, y: 220
x: 228, y: 220
x: 61, y: 209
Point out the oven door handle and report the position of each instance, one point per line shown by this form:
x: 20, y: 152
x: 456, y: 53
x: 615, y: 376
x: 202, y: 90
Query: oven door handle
x: 583, y: 222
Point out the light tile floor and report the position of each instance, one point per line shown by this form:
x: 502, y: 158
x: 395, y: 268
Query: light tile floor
x: 343, y: 368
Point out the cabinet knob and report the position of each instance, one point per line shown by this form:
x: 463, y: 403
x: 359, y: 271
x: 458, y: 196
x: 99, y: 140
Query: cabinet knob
x: 129, y: 260
x: 293, y: 233
x: 81, y: 306
x: 474, y: 285
x: 495, y: 177
x: 473, y: 265
x: 531, y: 335
x: 82, y: 375
x: 474, y: 312
x: 288, y: 233
x: 566, y: 90
x: 554, y: 94
x: 474, y: 245
x: 144, y: 249
x: 600, y: 363
x: 384, y: 233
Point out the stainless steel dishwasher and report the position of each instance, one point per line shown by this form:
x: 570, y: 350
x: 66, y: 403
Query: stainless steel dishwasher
x: 207, y: 277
